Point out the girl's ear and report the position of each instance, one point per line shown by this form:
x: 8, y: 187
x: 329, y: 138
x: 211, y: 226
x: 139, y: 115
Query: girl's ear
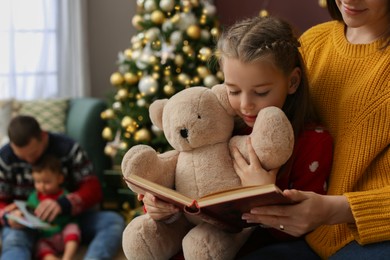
x: 295, y: 80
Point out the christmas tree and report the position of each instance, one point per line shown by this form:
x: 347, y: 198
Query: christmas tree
x: 172, y: 50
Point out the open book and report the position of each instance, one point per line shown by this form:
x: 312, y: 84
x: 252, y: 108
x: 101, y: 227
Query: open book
x: 28, y: 219
x: 223, y: 209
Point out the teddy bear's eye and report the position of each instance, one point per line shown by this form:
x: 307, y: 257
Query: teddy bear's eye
x: 199, y: 117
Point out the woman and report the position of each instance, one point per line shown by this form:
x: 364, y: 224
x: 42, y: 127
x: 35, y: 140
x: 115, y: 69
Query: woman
x: 349, y: 73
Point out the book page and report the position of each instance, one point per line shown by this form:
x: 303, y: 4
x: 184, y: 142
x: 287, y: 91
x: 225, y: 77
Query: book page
x: 28, y: 219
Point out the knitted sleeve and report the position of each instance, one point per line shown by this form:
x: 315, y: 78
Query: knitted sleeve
x: 371, y: 208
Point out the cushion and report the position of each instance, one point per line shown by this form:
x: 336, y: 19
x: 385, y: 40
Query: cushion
x: 50, y: 113
x: 5, y: 117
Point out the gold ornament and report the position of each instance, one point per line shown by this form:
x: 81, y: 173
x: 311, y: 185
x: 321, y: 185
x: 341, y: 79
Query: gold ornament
x: 142, y: 135
x: 322, y: 3
x: 107, y: 134
x: 127, y: 121
x: 128, y: 54
x: 196, y: 80
x: 122, y: 94
x: 195, y: 3
x: 188, y: 50
x: 193, y: 31
x: 205, y: 53
x: 131, y: 128
x: 175, y: 18
x: 263, y: 13
x: 110, y: 151
x: 131, y: 78
x: 116, y: 79
x: 179, y: 60
x: 136, y: 21
x: 169, y: 90
x: 183, y: 79
x: 157, y: 17
x: 215, y: 32
x: 203, y: 19
x: 203, y: 71
x: 123, y: 146
x: 107, y: 114
x: 153, y: 60
x: 167, y: 71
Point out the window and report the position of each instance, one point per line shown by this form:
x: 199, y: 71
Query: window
x: 37, y: 41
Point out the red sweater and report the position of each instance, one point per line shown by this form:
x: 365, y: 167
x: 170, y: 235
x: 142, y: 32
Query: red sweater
x: 84, y: 186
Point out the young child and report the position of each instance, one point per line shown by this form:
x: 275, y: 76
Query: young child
x: 64, y: 236
x: 263, y: 67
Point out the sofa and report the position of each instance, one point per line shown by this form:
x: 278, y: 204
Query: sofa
x: 85, y: 125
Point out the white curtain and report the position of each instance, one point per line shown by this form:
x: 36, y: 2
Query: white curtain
x: 43, y: 49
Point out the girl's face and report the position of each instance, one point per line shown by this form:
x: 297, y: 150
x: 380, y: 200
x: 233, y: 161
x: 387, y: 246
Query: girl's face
x: 253, y: 86
x: 371, y: 14
x: 47, y: 182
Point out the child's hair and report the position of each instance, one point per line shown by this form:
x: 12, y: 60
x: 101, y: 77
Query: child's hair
x: 22, y: 129
x: 257, y: 38
x: 47, y: 162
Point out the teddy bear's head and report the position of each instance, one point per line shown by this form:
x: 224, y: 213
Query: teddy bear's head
x: 194, y: 117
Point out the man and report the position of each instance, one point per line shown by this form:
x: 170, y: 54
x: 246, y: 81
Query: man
x: 28, y: 142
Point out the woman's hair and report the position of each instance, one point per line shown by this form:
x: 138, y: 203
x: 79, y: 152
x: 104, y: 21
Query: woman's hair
x: 48, y: 162
x: 336, y: 15
x: 22, y: 129
x: 253, y: 39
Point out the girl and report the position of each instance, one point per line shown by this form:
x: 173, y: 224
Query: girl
x: 263, y: 67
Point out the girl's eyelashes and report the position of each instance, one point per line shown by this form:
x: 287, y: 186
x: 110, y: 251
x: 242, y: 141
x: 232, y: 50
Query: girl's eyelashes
x: 234, y: 93
x: 262, y: 94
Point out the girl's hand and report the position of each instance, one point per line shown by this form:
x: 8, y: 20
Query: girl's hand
x: 252, y: 173
x: 157, y: 209
x: 308, y: 211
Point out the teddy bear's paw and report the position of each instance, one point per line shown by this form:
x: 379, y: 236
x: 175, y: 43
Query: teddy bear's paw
x: 272, y: 137
x: 208, y: 242
x: 144, y: 238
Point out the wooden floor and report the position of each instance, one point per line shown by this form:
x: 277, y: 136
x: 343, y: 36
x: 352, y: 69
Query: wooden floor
x: 80, y: 255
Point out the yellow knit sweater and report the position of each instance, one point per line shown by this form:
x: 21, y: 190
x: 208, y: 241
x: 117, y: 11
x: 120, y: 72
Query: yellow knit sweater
x: 350, y: 84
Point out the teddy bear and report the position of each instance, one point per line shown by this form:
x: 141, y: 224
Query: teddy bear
x: 198, y: 123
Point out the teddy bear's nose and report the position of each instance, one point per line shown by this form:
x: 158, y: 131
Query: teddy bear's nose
x: 184, y: 133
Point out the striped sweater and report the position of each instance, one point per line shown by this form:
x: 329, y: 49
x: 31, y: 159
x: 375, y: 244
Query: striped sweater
x: 350, y: 84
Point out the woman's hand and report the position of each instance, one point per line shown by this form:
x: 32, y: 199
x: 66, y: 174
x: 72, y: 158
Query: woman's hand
x: 308, y: 211
x: 157, y: 209
x: 252, y: 173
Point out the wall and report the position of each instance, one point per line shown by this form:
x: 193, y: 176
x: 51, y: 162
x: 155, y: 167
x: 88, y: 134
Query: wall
x: 110, y: 28
x: 302, y: 14
x: 109, y: 32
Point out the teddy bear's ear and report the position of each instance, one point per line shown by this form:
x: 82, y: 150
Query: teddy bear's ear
x: 221, y: 93
x: 156, y: 111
